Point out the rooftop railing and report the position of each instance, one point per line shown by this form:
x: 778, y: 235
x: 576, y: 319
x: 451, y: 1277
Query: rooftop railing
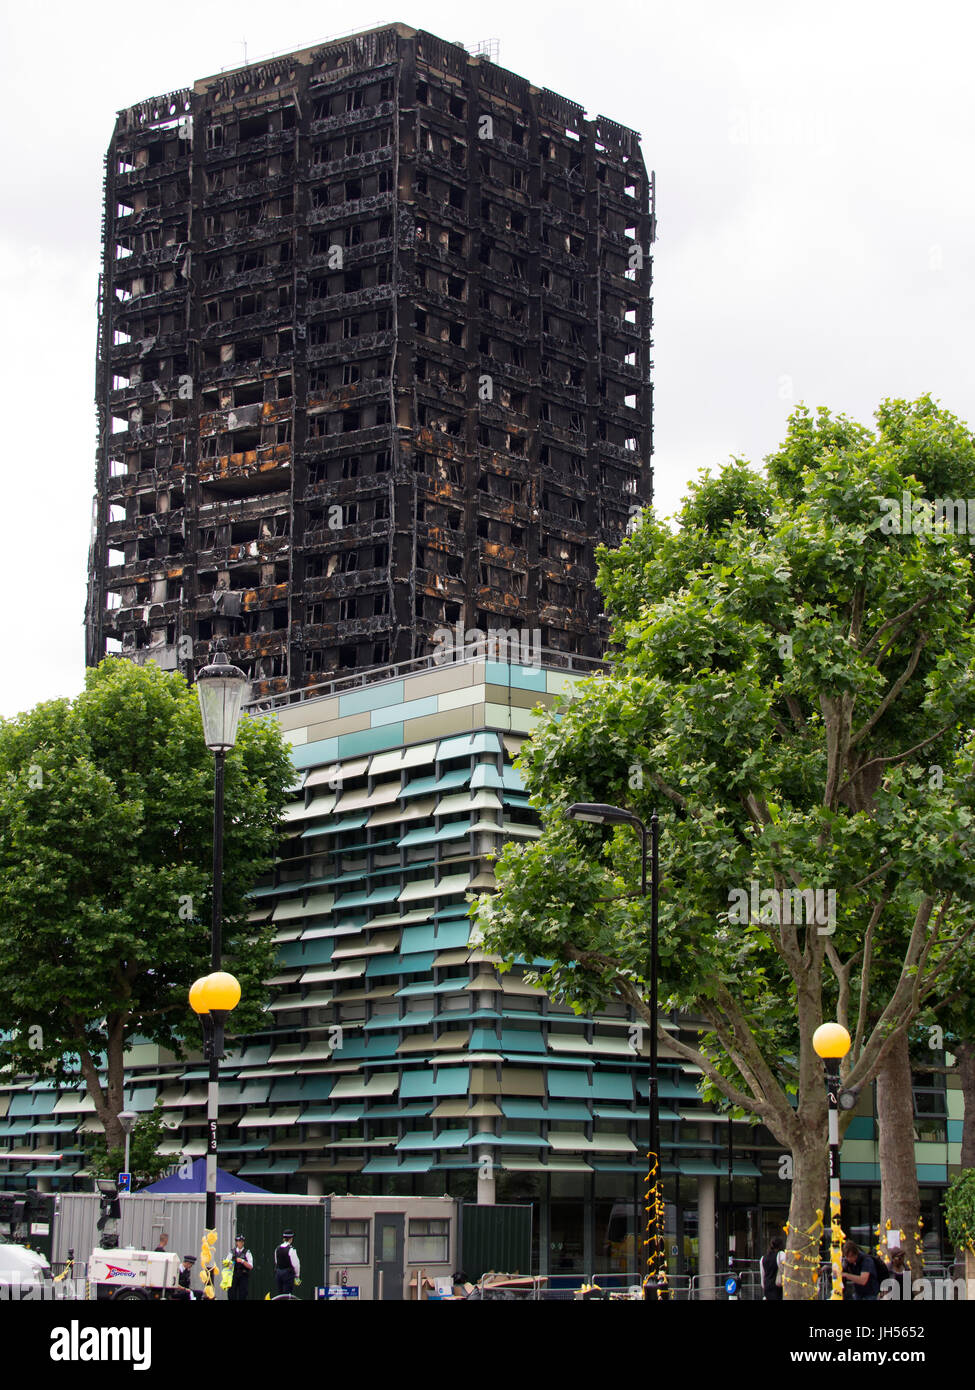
x: 483, y: 650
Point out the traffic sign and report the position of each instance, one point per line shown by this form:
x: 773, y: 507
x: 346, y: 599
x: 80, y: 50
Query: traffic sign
x: 125, y: 1182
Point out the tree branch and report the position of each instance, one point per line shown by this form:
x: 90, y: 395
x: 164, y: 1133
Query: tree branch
x: 926, y: 951
x: 728, y: 1043
x: 856, y: 613
x: 670, y: 793
x: 870, y: 877
x: 792, y: 705
x: 901, y: 620
x: 837, y: 718
x: 875, y: 916
x: 766, y: 1085
x: 896, y: 1013
x: 945, y: 961
x: 788, y: 942
x: 893, y: 692
x: 745, y: 1040
x: 894, y: 758
x: 753, y: 1105
x: 842, y: 973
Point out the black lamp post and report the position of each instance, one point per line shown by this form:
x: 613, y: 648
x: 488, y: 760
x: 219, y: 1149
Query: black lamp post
x: 600, y: 814
x: 831, y: 1042
x: 127, y: 1119
x: 220, y: 687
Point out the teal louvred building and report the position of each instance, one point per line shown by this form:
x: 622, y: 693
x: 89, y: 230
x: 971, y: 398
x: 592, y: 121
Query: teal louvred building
x: 399, y: 1060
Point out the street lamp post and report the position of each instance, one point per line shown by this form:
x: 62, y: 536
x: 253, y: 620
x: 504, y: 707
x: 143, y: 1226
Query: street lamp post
x: 831, y: 1042
x: 127, y: 1119
x: 220, y: 687
x: 600, y: 814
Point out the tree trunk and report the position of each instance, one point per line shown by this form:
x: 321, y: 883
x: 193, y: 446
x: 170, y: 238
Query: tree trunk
x: 114, y: 1136
x: 900, y: 1202
x: 109, y: 1099
x: 809, y: 1175
x: 965, y: 1053
x: 115, y: 1068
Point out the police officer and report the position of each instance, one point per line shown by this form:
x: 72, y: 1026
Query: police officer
x: 243, y: 1262
x: 287, y: 1266
x: 183, y: 1292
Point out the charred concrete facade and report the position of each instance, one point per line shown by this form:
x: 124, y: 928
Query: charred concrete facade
x: 374, y: 362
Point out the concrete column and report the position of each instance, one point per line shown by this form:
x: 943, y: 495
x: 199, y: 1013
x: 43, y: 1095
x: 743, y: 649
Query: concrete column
x: 588, y: 1224
x: 316, y: 1181
x: 485, y: 1179
x: 706, y: 1200
x: 543, y: 1214
x: 706, y: 1187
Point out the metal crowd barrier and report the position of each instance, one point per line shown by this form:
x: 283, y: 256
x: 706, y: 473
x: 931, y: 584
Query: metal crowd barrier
x: 712, y: 1288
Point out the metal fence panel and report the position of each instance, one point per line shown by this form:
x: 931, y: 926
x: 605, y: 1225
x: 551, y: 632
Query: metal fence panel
x: 262, y: 1225
x: 495, y: 1237
x: 146, y: 1216
x: 74, y: 1226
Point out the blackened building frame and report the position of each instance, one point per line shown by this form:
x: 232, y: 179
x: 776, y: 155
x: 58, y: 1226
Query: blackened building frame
x: 374, y: 363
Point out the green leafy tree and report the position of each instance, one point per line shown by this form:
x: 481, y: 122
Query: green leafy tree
x: 951, y: 1026
x: 965, y: 1054
x: 145, y: 1163
x: 106, y: 815
x: 948, y: 1031
x: 788, y: 671
x: 959, y: 1209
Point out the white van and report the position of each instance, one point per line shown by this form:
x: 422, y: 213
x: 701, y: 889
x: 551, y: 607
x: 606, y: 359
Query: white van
x: 23, y: 1273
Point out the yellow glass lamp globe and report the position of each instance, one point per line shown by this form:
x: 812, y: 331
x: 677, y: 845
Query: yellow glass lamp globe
x: 221, y: 991
x: 831, y: 1040
x: 217, y: 991
x: 197, y: 1003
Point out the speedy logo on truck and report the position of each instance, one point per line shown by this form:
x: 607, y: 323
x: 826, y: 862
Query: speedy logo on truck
x: 117, y: 1272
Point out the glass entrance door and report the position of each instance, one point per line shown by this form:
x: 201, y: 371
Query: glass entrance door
x: 744, y: 1235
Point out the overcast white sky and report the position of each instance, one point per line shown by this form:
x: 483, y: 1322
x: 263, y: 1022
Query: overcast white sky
x: 815, y: 224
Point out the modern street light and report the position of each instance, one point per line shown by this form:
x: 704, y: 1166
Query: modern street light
x: 127, y: 1119
x: 599, y: 814
x: 831, y: 1042
x: 221, y: 688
